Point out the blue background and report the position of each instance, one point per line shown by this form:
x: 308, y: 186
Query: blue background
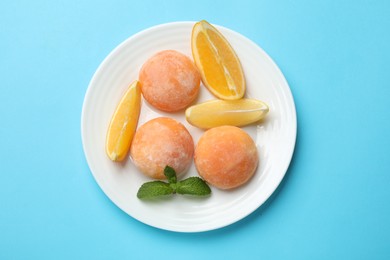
x: 334, y: 201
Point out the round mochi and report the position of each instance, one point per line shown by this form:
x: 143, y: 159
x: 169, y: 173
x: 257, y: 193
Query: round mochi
x: 169, y: 81
x: 160, y: 142
x: 226, y: 157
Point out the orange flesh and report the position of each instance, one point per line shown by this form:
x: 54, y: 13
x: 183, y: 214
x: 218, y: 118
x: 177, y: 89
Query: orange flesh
x: 123, y: 124
x: 218, y: 112
x: 214, y: 72
x: 218, y: 64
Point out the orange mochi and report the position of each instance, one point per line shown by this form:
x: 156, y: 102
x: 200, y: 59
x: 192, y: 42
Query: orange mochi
x: 160, y: 142
x: 226, y: 157
x: 169, y: 80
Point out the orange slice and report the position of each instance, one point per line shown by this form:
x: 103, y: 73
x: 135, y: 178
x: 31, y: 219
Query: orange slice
x: 226, y: 112
x: 124, y: 123
x: 217, y: 62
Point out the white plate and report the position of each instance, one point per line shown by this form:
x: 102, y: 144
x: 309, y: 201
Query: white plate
x: 275, y: 138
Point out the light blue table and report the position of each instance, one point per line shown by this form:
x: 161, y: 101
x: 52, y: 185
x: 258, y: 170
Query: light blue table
x: 334, y: 202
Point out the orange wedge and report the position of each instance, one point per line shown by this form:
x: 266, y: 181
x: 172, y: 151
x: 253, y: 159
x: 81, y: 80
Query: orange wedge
x: 124, y: 123
x: 226, y: 112
x: 217, y: 62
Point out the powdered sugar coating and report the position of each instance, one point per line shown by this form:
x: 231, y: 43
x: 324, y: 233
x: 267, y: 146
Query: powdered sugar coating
x: 226, y: 157
x: 169, y: 81
x: 160, y: 142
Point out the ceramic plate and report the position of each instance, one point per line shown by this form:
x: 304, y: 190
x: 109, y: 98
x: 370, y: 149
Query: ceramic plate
x: 275, y: 137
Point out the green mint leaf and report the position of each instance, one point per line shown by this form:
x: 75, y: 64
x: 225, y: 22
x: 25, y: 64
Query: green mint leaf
x: 153, y: 189
x: 170, y: 173
x: 193, y: 186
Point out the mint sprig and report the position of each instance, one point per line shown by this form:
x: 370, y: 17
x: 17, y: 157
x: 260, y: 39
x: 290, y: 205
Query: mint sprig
x: 191, y: 186
x: 154, y: 189
x: 170, y: 173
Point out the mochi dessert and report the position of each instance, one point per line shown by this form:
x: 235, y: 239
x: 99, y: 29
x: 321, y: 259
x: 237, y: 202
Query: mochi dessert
x: 169, y: 81
x: 226, y: 157
x: 162, y: 142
